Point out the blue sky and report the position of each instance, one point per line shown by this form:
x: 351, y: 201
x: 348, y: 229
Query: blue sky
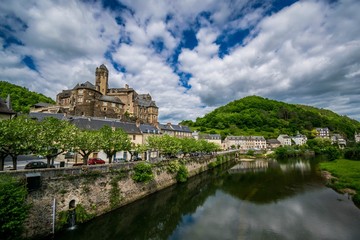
x: 191, y: 56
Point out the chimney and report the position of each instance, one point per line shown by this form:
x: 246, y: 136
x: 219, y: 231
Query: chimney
x: 126, y: 86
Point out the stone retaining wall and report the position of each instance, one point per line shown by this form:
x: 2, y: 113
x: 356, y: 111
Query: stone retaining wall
x: 98, y: 189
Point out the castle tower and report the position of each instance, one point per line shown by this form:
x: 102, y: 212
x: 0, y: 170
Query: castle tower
x: 101, y: 79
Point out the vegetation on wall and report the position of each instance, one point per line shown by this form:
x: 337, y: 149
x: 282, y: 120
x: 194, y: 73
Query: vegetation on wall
x: 182, y: 174
x: 260, y: 116
x: 21, y: 98
x: 143, y: 173
x: 13, y: 207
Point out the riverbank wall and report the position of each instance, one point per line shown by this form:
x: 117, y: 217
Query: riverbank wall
x: 81, y: 193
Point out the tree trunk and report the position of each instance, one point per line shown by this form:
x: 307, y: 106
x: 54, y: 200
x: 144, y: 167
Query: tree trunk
x: 14, y: 160
x: 48, y: 159
x: 2, y: 162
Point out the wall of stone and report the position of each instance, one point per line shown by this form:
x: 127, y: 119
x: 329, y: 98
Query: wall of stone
x: 99, y: 189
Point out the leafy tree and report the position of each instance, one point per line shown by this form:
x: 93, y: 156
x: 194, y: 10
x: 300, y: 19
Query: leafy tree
x: 113, y: 141
x: 86, y: 142
x: 54, y: 137
x: 137, y: 149
x: 166, y: 145
x: 13, y: 207
x: 18, y: 137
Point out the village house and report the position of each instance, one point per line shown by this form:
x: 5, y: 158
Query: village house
x: 357, y: 137
x: 338, y: 139
x: 214, y: 138
x: 284, y: 140
x: 322, y: 132
x: 299, y: 139
x: 173, y: 130
x: 87, y: 99
x: 273, y: 143
x: 245, y: 142
x: 5, y: 109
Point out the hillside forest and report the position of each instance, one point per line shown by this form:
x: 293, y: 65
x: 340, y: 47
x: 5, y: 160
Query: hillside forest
x: 255, y: 115
x: 21, y: 98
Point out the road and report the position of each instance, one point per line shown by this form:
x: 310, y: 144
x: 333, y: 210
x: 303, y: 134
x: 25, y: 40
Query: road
x: 25, y: 159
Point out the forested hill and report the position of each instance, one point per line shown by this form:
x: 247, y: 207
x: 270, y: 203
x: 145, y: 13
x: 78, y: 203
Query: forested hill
x: 21, y: 98
x: 260, y: 116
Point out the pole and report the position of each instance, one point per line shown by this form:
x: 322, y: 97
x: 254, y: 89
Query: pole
x: 53, y: 216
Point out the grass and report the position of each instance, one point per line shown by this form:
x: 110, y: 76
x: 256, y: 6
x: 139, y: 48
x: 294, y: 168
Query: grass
x: 347, y: 173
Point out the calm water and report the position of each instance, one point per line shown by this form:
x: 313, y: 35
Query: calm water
x: 276, y: 200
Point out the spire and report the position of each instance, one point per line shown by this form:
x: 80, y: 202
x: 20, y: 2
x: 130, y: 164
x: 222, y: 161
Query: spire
x: 8, y: 103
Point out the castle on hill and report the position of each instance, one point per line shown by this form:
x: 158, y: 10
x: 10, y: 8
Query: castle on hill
x: 99, y: 100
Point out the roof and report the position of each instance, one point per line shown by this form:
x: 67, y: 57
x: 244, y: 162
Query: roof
x: 42, y: 104
x: 110, y: 99
x: 273, y: 141
x: 87, y: 84
x: 4, y: 108
x: 40, y: 116
x: 145, y: 100
x: 210, y: 136
x: 177, y: 128
x: 246, y: 138
x: 96, y: 124
x: 147, y: 128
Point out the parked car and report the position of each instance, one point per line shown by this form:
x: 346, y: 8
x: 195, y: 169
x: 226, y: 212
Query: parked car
x: 94, y: 161
x: 137, y: 159
x: 37, y: 165
x: 119, y: 160
x: 77, y: 164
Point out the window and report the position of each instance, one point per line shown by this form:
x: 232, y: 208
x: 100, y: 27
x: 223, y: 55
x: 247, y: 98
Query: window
x: 104, y: 108
x: 80, y: 99
x: 134, y: 137
x: 81, y: 91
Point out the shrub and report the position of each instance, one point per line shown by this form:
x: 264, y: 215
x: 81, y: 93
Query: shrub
x: 173, y: 166
x: 143, y: 173
x: 13, y: 207
x: 182, y: 174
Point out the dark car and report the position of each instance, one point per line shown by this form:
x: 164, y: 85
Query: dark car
x: 94, y: 161
x: 137, y: 159
x: 37, y: 165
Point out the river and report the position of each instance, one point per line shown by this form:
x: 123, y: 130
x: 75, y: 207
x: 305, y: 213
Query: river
x: 251, y: 200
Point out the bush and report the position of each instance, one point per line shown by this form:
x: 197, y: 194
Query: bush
x: 182, y: 174
x: 173, y: 166
x: 13, y: 207
x: 143, y: 173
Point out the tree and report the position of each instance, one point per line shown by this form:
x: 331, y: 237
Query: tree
x: 113, y: 141
x: 13, y: 207
x: 18, y: 137
x: 3, y: 152
x: 86, y: 142
x: 137, y: 149
x: 54, y: 137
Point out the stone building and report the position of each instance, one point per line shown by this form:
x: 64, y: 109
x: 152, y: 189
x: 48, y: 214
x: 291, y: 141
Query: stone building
x: 99, y: 100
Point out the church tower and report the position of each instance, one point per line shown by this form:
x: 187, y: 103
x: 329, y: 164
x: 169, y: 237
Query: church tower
x: 101, y: 80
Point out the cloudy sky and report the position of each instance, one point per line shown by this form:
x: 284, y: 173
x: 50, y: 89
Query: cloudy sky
x: 191, y: 56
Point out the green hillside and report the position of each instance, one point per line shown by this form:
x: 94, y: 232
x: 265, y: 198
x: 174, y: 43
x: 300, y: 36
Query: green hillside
x: 21, y: 98
x: 255, y: 115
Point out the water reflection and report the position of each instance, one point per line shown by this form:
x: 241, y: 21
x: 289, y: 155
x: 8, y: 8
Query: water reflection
x: 284, y: 200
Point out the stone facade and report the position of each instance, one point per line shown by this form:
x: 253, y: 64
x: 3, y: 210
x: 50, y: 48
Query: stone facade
x: 99, y: 100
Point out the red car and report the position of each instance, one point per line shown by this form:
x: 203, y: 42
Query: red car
x: 94, y: 161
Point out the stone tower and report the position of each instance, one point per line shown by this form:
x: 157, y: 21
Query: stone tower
x: 101, y: 80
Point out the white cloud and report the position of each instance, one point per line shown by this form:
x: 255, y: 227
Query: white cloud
x: 306, y: 53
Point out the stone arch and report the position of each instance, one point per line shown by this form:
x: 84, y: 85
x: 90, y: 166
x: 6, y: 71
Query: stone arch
x: 72, y: 204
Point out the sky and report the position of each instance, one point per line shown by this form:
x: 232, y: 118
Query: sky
x: 191, y: 56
